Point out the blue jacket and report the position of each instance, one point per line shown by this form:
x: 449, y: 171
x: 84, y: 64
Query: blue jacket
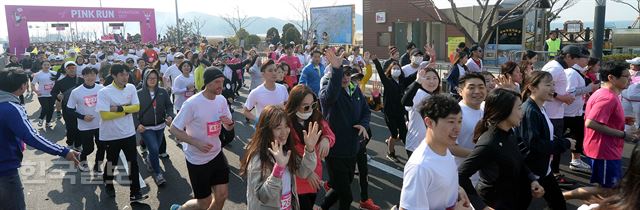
x: 311, y: 78
x: 15, y: 129
x: 343, y: 111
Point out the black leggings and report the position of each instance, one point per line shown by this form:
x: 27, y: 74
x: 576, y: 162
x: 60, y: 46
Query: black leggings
x: 363, y: 172
x: 47, y: 104
x: 553, y: 194
x: 558, y: 130
x: 397, y: 126
x: 576, y: 127
x: 341, y: 171
x: 71, y: 124
x: 307, y: 201
x: 128, y: 147
x: 88, y: 138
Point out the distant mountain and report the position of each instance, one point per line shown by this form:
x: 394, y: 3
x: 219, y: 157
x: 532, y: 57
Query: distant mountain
x: 607, y: 24
x: 215, y: 25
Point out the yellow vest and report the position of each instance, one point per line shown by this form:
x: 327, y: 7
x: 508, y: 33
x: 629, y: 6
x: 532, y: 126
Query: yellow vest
x: 553, y: 46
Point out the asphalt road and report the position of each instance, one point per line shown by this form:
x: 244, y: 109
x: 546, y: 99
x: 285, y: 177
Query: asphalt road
x: 52, y: 183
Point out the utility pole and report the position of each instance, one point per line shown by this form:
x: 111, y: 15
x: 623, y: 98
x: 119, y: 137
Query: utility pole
x: 598, y: 25
x: 103, y: 31
x: 178, y: 25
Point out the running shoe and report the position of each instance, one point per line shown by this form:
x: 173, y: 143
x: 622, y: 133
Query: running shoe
x: 579, y: 165
x: 137, y: 197
x: 369, y: 205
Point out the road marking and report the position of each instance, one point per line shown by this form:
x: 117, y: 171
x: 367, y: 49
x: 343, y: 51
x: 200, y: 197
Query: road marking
x: 386, y: 168
x: 123, y: 160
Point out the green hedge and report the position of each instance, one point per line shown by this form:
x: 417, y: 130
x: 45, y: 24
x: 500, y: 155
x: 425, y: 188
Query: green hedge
x: 618, y: 57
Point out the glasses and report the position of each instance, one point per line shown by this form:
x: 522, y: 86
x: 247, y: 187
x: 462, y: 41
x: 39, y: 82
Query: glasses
x: 313, y: 105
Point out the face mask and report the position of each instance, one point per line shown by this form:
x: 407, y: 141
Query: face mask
x: 396, y: 73
x: 417, y: 59
x: 163, y: 59
x: 304, y: 116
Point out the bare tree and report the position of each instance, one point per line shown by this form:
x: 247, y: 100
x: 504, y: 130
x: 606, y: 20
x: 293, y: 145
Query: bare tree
x: 557, y: 6
x: 198, y: 24
x: 306, y: 23
x: 486, y: 24
x: 236, y: 20
x: 636, y: 7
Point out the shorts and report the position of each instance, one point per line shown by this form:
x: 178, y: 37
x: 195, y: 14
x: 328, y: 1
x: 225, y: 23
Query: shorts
x: 212, y: 173
x: 607, y: 173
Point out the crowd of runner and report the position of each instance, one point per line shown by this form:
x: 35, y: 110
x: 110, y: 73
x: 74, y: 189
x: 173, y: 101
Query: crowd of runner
x: 491, y: 141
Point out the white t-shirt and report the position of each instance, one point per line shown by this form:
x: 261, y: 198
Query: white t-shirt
x: 44, y: 82
x: 409, y: 70
x: 172, y: 73
x: 574, y: 80
x: 430, y: 180
x: 465, y: 137
x: 84, y: 100
x: 79, y: 69
x: 473, y: 66
x: 179, y: 89
x: 555, y: 108
x: 417, y: 129
x: 261, y: 97
x: 551, y: 130
x: 119, y: 128
x: 163, y: 68
x: 201, y: 119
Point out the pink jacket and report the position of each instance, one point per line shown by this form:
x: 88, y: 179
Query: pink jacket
x: 303, y: 186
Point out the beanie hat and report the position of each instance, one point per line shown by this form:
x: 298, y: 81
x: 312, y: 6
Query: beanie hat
x: 210, y: 74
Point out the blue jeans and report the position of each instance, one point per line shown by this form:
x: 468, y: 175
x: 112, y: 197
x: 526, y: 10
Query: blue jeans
x: 11, y: 192
x: 153, y: 139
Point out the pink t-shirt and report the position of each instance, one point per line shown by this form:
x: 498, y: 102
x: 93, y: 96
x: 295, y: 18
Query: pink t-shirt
x: 604, y: 106
x: 293, y: 62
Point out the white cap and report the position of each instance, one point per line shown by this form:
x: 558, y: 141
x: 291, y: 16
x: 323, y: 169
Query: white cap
x: 634, y: 61
x: 70, y: 63
x: 178, y: 54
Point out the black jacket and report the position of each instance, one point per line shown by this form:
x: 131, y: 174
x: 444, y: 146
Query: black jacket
x: 405, y: 58
x: 534, y: 139
x: 149, y: 114
x: 505, y: 180
x: 392, y: 94
x: 65, y: 86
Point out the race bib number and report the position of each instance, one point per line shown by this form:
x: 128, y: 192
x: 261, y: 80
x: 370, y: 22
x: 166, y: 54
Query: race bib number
x: 285, y: 201
x: 48, y: 87
x: 214, y: 128
x: 90, y: 101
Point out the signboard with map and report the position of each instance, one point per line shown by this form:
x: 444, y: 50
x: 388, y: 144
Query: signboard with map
x: 334, y: 25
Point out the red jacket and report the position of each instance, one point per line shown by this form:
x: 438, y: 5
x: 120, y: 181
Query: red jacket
x: 302, y: 185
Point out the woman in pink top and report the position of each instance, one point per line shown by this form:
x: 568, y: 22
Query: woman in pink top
x: 302, y: 109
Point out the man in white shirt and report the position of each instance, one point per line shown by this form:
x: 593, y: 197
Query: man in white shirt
x: 430, y: 175
x: 268, y: 93
x: 569, y: 56
x: 116, y: 104
x: 472, y: 89
x: 200, y: 124
x: 82, y: 102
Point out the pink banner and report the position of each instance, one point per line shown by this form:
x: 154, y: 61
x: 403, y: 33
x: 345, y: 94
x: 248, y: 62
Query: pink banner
x: 18, y: 16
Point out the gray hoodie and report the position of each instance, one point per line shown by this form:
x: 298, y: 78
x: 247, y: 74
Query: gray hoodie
x: 8, y: 97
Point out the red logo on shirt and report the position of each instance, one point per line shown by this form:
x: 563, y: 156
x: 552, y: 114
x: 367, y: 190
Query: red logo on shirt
x: 91, y: 100
x: 48, y: 87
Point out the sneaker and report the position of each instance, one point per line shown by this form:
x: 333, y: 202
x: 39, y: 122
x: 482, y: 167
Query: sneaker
x: 163, y: 155
x: 110, y: 190
x: 97, y: 170
x: 392, y: 157
x: 83, y: 166
x: 40, y: 121
x: 369, y: 205
x: 579, y: 165
x: 563, y: 182
x: 137, y: 197
x: 175, y: 207
x: 58, y: 115
x: 143, y: 150
x: 160, y: 180
x: 48, y: 125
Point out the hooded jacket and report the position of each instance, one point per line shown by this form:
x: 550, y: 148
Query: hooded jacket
x: 15, y: 131
x: 152, y: 114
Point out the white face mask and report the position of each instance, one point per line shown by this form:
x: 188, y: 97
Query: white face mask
x: 417, y: 59
x: 396, y: 73
x: 163, y: 59
x: 304, y: 116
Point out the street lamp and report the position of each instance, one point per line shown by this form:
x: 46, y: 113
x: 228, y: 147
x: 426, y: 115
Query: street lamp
x: 598, y: 25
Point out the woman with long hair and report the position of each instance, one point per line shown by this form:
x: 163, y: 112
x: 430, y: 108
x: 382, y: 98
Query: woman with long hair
x: 270, y: 165
x: 506, y: 182
x: 536, y: 131
x: 394, y: 113
x: 303, y: 109
x: 427, y: 83
x: 458, y: 69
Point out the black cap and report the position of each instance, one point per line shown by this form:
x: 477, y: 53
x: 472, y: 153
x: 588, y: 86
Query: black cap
x: 130, y: 60
x: 416, y: 53
x: 575, y: 50
x: 474, y: 48
x: 210, y: 74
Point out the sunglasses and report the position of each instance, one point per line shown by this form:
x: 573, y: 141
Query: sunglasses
x: 313, y: 105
